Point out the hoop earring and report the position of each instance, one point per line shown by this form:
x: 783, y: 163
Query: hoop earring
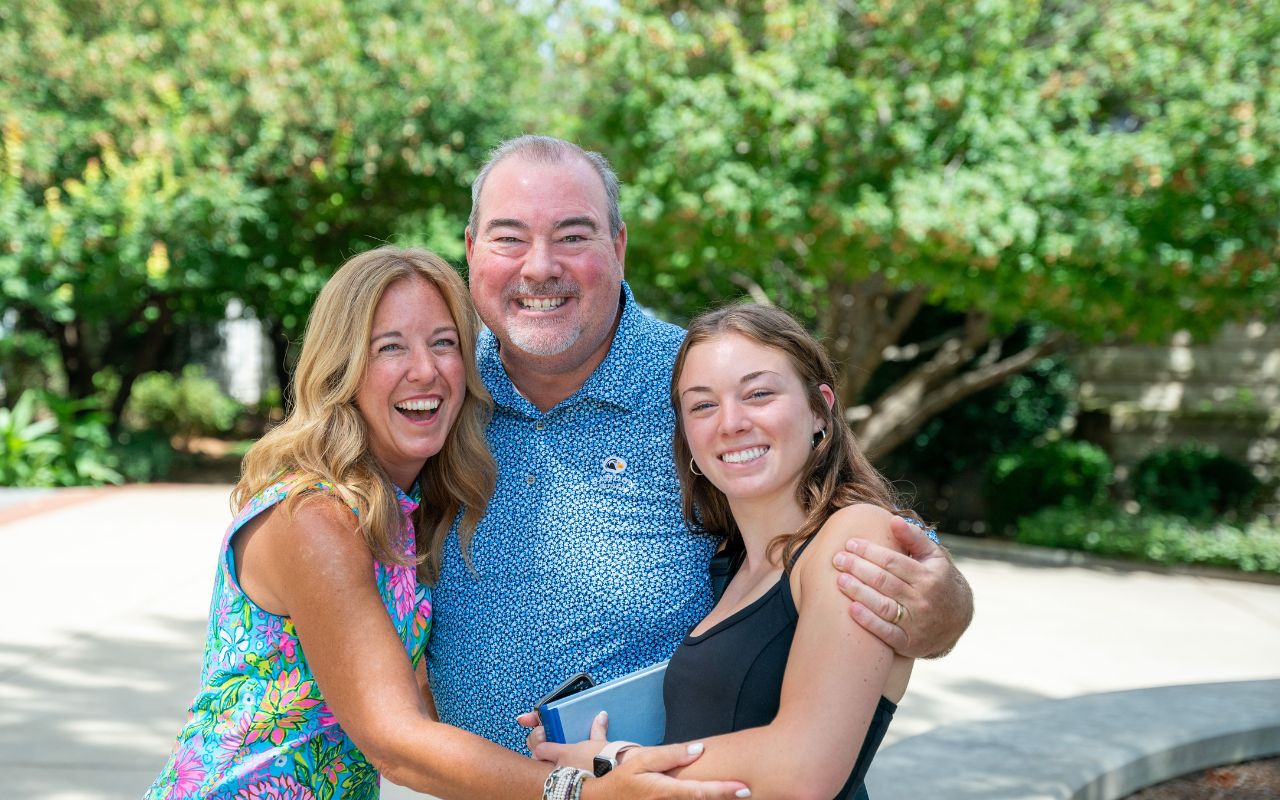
x: 818, y: 437
x: 694, y: 467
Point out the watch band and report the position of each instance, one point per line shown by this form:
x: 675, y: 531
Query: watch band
x: 607, y: 758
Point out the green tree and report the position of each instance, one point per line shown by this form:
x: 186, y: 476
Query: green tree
x: 161, y: 157
x: 1097, y: 169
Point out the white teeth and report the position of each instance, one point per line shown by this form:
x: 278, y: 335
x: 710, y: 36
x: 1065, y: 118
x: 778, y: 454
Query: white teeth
x: 744, y: 455
x: 541, y: 303
x: 419, y: 405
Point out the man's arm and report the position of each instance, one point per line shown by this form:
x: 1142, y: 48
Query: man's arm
x: 935, y: 600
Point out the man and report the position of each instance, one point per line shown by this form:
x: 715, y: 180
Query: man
x: 583, y: 560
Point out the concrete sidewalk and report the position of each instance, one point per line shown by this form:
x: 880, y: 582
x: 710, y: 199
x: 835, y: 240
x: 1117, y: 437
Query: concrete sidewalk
x: 106, y: 593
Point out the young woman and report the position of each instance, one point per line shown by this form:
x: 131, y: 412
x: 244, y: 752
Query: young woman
x: 313, y: 679
x: 785, y: 690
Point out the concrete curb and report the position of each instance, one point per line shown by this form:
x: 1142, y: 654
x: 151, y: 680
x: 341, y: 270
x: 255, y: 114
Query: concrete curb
x: 1093, y: 747
x: 1034, y: 555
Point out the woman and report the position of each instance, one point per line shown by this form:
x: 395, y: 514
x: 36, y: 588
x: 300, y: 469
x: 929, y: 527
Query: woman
x: 791, y: 695
x: 313, y: 680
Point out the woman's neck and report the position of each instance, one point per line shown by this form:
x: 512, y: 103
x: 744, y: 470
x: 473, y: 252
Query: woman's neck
x: 760, y: 521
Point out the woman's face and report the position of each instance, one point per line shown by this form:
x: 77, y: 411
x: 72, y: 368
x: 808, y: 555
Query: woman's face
x: 415, y: 381
x: 746, y: 417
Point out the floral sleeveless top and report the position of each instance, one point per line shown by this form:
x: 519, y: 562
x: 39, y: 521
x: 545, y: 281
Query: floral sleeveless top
x: 259, y: 728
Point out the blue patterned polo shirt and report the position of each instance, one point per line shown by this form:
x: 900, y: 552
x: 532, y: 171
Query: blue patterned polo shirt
x: 583, y: 561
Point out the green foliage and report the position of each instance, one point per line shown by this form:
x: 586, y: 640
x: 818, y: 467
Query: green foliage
x: 160, y: 158
x: 1195, y: 481
x: 69, y: 446
x: 1056, y: 473
x: 191, y: 404
x: 1102, y: 169
x: 1165, y: 539
x: 1003, y: 418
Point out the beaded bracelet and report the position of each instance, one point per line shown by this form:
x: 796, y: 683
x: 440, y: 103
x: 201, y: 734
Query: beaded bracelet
x: 564, y: 783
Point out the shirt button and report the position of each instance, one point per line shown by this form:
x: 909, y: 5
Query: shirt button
x: 539, y: 425
x: 529, y: 479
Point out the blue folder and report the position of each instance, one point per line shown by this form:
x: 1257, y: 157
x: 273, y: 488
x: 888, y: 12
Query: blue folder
x: 634, y: 703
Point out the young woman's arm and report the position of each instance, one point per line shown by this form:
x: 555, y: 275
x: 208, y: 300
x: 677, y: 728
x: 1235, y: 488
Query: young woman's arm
x: 836, y: 673
x: 315, y: 567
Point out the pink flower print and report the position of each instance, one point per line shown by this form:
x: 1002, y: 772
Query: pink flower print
x: 326, y: 716
x: 404, y: 590
x: 332, y: 771
x: 283, y: 707
x: 288, y: 643
x: 271, y: 628
x: 185, y: 774
x: 281, y: 787
x: 223, y: 611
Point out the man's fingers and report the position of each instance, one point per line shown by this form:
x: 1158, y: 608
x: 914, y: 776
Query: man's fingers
x: 892, y: 580
x: 884, y: 607
x: 883, y: 630
x: 914, y: 540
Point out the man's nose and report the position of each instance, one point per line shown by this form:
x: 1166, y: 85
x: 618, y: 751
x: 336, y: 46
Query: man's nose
x: 540, y: 264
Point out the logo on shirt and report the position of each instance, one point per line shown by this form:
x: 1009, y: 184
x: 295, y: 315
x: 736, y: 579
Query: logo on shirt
x: 615, y: 464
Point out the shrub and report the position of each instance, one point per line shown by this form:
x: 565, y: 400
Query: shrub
x: 1162, y: 538
x: 189, y: 405
x: 65, y: 444
x: 1194, y: 480
x: 1042, y: 476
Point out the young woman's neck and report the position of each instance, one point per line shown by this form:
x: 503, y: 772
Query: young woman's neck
x: 760, y: 521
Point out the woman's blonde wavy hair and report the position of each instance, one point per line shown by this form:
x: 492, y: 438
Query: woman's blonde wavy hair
x: 323, y: 438
x: 837, y: 473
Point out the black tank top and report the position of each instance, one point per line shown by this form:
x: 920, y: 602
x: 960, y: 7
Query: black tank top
x: 730, y: 678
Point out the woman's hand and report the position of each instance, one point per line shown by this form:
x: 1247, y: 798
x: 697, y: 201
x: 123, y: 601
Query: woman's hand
x: 641, y: 776
x: 580, y: 755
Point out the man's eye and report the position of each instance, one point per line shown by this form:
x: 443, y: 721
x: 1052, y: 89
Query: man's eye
x: 573, y: 238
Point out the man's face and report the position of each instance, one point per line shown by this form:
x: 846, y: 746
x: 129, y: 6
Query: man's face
x: 545, y: 273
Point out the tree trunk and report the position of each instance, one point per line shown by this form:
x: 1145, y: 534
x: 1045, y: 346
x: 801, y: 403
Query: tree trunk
x: 144, y: 357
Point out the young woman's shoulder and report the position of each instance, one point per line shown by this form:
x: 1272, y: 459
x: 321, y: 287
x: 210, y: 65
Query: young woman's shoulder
x: 860, y: 520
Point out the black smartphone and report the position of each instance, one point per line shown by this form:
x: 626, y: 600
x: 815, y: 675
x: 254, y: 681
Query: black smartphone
x: 574, y: 685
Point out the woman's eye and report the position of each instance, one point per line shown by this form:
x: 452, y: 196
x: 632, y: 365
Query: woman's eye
x: 444, y: 343
x: 759, y: 393
x: 389, y: 347
x: 699, y: 407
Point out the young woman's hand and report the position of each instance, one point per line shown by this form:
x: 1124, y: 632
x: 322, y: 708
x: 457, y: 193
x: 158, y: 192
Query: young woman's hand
x: 641, y: 775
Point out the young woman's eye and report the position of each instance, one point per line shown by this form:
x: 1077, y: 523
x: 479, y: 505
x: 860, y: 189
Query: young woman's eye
x: 696, y: 407
x: 760, y: 393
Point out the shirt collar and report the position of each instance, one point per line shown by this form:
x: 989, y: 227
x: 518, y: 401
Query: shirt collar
x: 409, y: 502
x: 613, y: 382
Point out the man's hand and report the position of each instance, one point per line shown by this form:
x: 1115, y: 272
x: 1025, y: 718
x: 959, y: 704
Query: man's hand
x: 919, y: 604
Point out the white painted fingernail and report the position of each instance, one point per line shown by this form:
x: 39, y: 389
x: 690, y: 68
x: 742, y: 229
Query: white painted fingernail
x: 695, y: 749
x: 603, y: 715
x: 742, y: 793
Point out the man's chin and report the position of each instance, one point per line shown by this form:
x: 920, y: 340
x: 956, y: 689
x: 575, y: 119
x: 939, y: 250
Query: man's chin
x: 542, y: 343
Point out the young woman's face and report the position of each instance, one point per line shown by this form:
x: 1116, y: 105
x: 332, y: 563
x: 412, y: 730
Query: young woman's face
x: 746, y: 417
x: 415, y: 381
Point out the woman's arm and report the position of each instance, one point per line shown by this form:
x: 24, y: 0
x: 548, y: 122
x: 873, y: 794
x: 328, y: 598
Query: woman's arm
x: 836, y: 673
x: 315, y: 566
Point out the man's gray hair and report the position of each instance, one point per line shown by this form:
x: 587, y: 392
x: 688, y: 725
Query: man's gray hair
x: 548, y: 150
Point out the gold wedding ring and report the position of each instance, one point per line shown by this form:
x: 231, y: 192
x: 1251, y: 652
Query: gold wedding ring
x: 898, y: 617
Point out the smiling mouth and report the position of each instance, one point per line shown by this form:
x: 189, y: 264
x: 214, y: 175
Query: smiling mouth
x: 541, y: 303
x: 419, y: 410
x: 743, y: 456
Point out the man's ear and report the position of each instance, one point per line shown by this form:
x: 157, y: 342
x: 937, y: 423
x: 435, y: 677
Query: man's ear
x: 471, y: 243
x: 620, y: 246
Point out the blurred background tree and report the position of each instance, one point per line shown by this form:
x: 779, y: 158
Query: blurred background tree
x: 1090, y: 169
